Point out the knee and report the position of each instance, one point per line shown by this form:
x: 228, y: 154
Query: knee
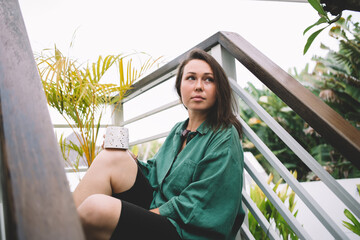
x: 96, y: 210
x: 90, y: 210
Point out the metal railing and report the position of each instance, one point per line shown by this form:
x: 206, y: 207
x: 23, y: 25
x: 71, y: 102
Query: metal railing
x: 35, y: 201
x: 227, y: 48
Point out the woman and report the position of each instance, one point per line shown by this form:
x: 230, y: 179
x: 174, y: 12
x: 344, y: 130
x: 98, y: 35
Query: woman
x: 191, y: 189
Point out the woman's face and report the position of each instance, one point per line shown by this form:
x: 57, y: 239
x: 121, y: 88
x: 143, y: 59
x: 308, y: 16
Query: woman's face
x: 198, y: 91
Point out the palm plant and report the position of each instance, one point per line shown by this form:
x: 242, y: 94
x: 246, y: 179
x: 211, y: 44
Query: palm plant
x: 324, y: 19
x: 337, y: 76
x: 270, y: 212
x: 336, y: 79
x: 80, y: 93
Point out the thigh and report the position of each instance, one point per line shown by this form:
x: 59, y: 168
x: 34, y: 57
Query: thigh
x: 137, y: 223
x: 111, y: 171
x: 140, y: 194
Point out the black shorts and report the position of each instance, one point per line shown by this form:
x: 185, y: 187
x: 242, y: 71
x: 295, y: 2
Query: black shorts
x: 136, y: 221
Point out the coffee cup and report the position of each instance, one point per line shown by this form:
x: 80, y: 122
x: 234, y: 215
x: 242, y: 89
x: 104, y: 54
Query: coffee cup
x: 116, y: 137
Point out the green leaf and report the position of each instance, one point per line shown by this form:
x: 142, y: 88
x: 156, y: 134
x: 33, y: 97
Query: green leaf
x: 321, y: 152
x: 317, y: 6
x: 354, y: 92
x: 290, y: 165
x: 336, y: 32
x: 355, y: 227
x: 58, y: 54
x: 351, y: 217
x: 323, y: 46
x: 320, y: 21
x: 311, y: 39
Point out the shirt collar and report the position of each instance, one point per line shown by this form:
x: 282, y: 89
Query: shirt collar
x: 202, y: 129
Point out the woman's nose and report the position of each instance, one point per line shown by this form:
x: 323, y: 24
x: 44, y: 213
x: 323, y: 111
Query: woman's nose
x: 199, y: 84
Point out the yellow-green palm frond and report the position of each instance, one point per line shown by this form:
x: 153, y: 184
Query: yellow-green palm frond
x: 80, y: 93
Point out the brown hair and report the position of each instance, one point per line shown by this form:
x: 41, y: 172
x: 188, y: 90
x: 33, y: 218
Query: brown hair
x: 221, y: 114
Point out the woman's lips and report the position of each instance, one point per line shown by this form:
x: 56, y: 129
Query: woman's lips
x: 197, y: 97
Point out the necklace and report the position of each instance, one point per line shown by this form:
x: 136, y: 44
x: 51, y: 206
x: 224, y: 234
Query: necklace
x: 185, y: 133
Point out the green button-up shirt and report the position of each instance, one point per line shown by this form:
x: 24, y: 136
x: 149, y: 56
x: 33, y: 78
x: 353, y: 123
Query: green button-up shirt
x: 199, y: 189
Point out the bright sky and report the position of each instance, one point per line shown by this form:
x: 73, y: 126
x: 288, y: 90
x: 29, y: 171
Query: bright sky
x: 169, y: 28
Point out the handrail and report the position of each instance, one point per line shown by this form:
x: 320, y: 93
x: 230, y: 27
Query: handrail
x: 336, y: 130
x: 36, y: 194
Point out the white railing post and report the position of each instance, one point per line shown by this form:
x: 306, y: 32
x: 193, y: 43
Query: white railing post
x: 226, y: 60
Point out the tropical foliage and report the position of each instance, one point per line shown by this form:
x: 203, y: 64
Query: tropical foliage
x: 354, y: 224
x: 80, y: 93
x: 335, y: 79
x: 324, y: 19
x: 147, y: 150
x: 270, y: 212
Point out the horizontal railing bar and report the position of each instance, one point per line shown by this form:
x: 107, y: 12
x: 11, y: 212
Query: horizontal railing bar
x: 275, y: 200
x: 67, y: 126
x: 339, y: 132
x: 137, y: 90
x: 259, y: 216
x: 144, y: 140
x: 318, y: 211
x: 329, y: 181
x: 246, y: 232
x: 154, y: 111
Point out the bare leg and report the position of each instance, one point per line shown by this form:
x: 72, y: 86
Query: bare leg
x: 99, y: 215
x: 111, y: 171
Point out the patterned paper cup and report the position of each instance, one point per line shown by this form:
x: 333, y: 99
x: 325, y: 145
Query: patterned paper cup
x: 117, y: 137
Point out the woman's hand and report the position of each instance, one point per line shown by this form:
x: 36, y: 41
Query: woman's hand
x: 135, y: 157
x: 155, y: 210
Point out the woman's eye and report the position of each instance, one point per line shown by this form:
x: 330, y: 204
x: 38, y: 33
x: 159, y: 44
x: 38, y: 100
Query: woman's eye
x: 190, y: 78
x: 209, y: 80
